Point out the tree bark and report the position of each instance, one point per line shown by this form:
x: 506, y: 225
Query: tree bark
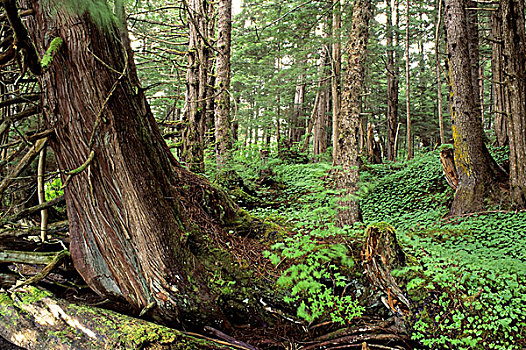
x: 478, y: 172
x: 347, y: 177
x: 223, y: 128
x: 512, y: 12
x: 139, y: 222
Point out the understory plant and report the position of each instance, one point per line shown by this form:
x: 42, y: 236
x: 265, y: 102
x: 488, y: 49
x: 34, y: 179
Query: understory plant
x: 466, y: 275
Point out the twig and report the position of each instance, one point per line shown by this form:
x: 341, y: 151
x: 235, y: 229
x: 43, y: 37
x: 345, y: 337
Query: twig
x: 80, y: 169
x: 42, y: 193
x: 28, y: 211
x: 45, y: 271
x: 228, y: 338
x: 26, y: 160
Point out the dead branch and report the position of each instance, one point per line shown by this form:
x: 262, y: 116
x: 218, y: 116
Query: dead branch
x: 28, y: 211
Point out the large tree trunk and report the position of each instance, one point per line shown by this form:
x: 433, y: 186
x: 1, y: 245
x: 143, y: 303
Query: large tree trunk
x: 137, y: 217
x: 348, y: 125
x: 512, y: 12
x: 478, y: 172
x: 223, y: 129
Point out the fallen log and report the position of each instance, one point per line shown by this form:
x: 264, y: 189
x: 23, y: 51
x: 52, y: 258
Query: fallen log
x: 34, y: 319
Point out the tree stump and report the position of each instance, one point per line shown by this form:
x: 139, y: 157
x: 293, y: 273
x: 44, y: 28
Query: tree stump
x: 380, y: 255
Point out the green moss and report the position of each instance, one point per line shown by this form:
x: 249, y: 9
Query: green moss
x: 5, y: 299
x: 32, y: 294
x: 382, y: 226
x: 53, y: 48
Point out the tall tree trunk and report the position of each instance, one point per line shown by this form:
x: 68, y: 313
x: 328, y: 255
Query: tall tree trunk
x: 478, y: 172
x: 320, y: 136
x: 137, y: 218
x: 474, y: 54
x: 500, y: 93
x: 512, y: 12
x: 196, y: 86
x: 211, y: 47
x: 297, y: 127
x: 348, y: 176
x: 438, y: 73
x: 336, y: 75
x: 223, y: 128
x: 392, y: 86
x: 407, y: 87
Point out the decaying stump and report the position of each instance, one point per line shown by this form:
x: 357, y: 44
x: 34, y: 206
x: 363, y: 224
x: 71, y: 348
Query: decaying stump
x: 33, y: 319
x: 374, y: 153
x: 381, y: 254
x: 447, y: 159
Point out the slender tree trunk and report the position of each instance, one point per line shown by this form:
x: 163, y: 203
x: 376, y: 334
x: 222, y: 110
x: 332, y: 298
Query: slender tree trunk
x: 138, y: 220
x: 438, y: 73
x: 320, y: 136
x: 211, y: 50
x: 407, y: 87
x: 477, y: 170
x: 223, y: 127
x: 347, y: 178
x: 297, y: 129
x: 500, y: 93
x: 336, y: 76
x: 196, y: 86
x: 392, y: 86
x: 41, y: 191
x: 311, y: 121
x: 512, y: 12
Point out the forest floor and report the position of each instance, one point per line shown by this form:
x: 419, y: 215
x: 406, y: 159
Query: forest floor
x: 465, y: 276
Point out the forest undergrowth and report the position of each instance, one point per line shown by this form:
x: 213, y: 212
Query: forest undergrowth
x: 466, y: 276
